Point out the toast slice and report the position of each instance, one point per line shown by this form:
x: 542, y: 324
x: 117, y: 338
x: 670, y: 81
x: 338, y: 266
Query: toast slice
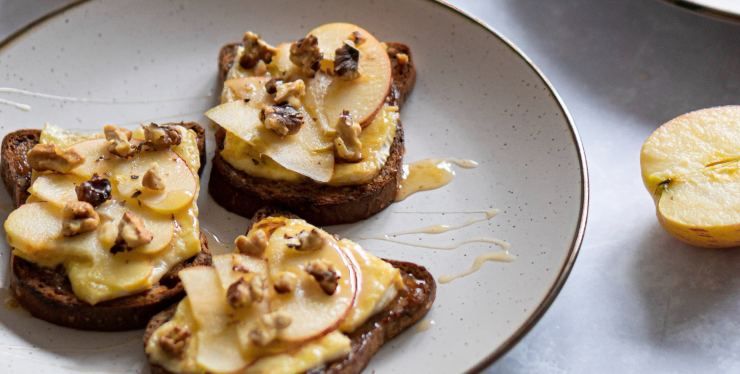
x: 318, y: 203
x: 47, y: 294
x: 409, y: 307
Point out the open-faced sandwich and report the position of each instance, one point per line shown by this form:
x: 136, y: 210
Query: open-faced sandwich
x: 103, y: 222
x: 291, y: 299
x: 311, y: 125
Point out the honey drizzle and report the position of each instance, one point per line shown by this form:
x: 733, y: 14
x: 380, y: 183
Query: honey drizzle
x: 498, y: 256
x: 429, y: 174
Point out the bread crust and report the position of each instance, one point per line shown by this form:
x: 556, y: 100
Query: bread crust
x: 318, y: 203
x: 409, y: 307
x: 47, y: 294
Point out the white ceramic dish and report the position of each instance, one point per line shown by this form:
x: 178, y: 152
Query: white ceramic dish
x: 476, y: 97
x: 727, y: 9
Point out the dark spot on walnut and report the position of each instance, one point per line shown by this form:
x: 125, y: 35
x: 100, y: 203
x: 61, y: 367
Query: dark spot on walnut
x: 347, y: 62
x: 283, y: 119
x: 94, y: 191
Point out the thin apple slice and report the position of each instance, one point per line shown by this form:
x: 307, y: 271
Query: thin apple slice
x: 180, y: 184
x: 281, y: 67
x: 96, y: 155
x: 161, y: 227
x: 58, y: 189
x: 314, y: 312
x: 247, y: 89
x: 308, y: 152
x: 364, y: 95
x: 219, y: 348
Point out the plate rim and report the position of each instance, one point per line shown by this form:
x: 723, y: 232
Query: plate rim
x: 578, y: 235
x: 706, y: 11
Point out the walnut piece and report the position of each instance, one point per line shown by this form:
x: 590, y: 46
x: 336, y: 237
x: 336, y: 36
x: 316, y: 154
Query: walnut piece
x: 282, y: 119
x: 131, y: 233
x: 347, y: 142
x: 243, y: 293
x: 266, y: 330
x: 255, y: 51
x: 160, y: 137
x: 152, y: 179
x: 347, y: 61
x: 356, y: 37
x: 285, y: 282
x: 325, y: 274
x: 402, y: 58
x: 94, y: 191
x: 307, y: 241
x: 49, y: 157
x: 290, y: 92
x: 175, y: 340
x: 253, y: 244
x: 79, y: 217
x: 119, y: 141
x: 306, y: 54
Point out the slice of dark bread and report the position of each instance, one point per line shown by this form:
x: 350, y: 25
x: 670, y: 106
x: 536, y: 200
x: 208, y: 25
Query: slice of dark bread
x: 47, y: 294
x: 318, y: 203
x: 409, y: 307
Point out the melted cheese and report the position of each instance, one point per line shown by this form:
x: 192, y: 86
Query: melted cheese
x: 376, y: 140
x: 378, y: 284
x: 94, y: 272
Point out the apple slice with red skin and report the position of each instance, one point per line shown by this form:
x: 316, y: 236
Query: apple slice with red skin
x: 314, y: 313
x: 362, y: 97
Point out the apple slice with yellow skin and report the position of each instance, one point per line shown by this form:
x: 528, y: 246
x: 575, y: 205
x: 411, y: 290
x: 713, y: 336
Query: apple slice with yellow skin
x: 363, y: 96
x: 314, y: 313
x: 161, y: 227
x: 180, y: 184
x: 58, y: 189
x: 219, y: 348
x: 96, y: 158
x: 690, y: 166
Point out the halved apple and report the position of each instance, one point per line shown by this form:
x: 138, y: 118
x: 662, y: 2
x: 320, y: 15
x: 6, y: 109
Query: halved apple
x: 313, y: 311
x: 363, y: 96
x: 161, y: 227
x: 180, y: 184
x: 58, y: 189
x: 691, y: 167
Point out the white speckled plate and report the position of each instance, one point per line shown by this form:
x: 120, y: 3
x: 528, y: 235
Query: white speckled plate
x: 476, y: 97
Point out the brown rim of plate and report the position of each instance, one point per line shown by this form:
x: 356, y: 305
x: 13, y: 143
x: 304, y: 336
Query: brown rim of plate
x: 706, y: 11
x: 577, y: 240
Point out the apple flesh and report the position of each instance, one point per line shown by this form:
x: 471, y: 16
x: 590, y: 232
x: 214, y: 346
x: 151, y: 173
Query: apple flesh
x: 691, y: 166
x: 313, y: 312
x: 363, y: 96
x: 58, y: 189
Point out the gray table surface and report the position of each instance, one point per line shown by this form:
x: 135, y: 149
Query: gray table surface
x: 637, y: 300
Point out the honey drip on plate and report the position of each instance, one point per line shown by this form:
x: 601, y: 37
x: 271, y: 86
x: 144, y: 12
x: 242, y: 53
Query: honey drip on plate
x: 498, y: 256
x: 429, y: 174
x: 439, y: 229
x: 501, y: 243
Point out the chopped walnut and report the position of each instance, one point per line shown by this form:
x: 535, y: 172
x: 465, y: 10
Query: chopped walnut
x: 118, y: 141
x: 399, y: 60
x: 152, y: 179
x: 238, y: 294
x: 307, y: 241
x: 282, y: 119
x: 79, y: 217
x: 49, y: 157
x: 175, y: 340
x: 306, y: 54
x: 257, y: 288
x: 255, y: 51
x: 356, y: 37
x: 94, y: 191
x: 131, y: 233
x: 325, y: 274
x: 290, y: 92
x: 268, y: 326
x: 253, y: 244
x: 347, y: 143
x: 402, y: 58
x: 159, y: 137
x: 347, y: 62
x: 285, y: 282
